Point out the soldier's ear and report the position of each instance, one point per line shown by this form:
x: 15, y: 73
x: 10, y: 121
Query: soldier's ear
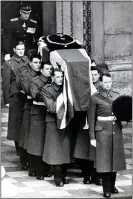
x: 14, y: 50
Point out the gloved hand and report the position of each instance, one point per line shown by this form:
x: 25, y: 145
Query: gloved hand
x: 7, y: 57
x: 93, y: 142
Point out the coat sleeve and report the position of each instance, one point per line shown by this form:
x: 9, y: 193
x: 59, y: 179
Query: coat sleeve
x: 18, y: 75
x: 25, y: 82
x: 92, y: 118
x: 48, y: 100
x: 7, y: 38
x: 6, y: 74
x: 34, y: 90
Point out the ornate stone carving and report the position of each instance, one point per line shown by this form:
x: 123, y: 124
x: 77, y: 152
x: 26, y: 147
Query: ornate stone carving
x: 87, y: 25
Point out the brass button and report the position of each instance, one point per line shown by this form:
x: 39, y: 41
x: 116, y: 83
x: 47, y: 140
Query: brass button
x: 113, y: 133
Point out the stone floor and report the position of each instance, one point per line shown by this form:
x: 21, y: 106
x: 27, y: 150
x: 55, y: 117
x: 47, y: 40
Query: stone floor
x: 17, y: 184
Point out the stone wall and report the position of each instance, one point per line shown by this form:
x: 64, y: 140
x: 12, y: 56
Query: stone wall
x: 106, y: 28
x: 111, y: 41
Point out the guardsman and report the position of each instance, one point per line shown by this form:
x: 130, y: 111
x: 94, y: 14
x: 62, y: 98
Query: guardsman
x: 11, y: 95
x: 32, y: 70
x: 57, y: 142
x: 95, y: 178
x: 85, y: 161
x: 37, y: 125
x: 22, y: 27
x: 106, y: 135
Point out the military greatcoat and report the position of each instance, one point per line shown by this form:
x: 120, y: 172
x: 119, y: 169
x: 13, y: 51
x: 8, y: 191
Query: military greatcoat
x: 108, y: 134
x: 25, y: 79
x: 12, y: 96
x: 57, y: 142
x: 38, y: 115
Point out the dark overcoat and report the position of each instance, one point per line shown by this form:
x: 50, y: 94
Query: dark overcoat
x: 12, y: 96
x: 25, y: 80
x: 38, y: 115
x: 83, y: 149
x: 108, y: 134
x: 57, y: 141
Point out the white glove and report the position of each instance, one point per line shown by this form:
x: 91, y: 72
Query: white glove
x: 93, y: 142
x: 7, y: 105
x: 3, y: 172
x: 7, y: 57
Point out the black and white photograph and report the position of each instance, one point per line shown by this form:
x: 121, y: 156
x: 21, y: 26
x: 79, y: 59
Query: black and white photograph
x: 66, y: 99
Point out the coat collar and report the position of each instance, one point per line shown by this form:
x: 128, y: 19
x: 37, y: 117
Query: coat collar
x: 32, y: 72
x: 105, y: 93
x: 43, y: 78
x: 97, y: 84
x: 56, y: 87
x: 18, y: 59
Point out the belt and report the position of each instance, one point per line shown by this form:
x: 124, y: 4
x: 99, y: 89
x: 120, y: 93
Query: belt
x: 29, y: 97
x: 39, y: 103
x: 21, y: 91
x: 108, y: 118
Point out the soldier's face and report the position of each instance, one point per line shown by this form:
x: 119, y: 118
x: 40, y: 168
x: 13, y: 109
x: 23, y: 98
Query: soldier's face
x: 58, y: 78
x: 19, y: 50
x: 35, y: 64
x: 47, y: 70
x: 95, y: 76
x: 106, y: 83
x: 24, y: 16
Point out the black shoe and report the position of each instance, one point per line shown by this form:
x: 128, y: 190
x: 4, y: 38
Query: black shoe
x: 59, y: 184
x: 32, y: 174
x: 114, y: 190
x: 106, y: 195
x: 98, y: 182
x: 24, y: 167
x: 18, y: 153
x: 65, y: 181
x: 87, y: 181
x: 40, y: 177
x: 47, y: 175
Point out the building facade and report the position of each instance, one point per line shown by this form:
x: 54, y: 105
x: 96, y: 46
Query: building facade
x: 105, y: 29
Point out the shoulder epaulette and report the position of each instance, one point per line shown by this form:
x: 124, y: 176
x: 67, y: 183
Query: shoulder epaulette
x: 115, y: 91
x: 95, y: 93
x: 33, y: 21
x: 9, y: 61
x: 14, y: 19
x: 36, y: 77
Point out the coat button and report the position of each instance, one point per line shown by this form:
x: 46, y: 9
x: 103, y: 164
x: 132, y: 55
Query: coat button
x: 112, y: 113
x: 113, y: 133
x: 113, y: 122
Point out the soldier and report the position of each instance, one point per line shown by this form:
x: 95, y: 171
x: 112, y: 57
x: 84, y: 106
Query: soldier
x: 32, y: 70
x: 37, y: 125
x: 95, y: 177
x: 11, y: 94
x: 23, y: 27
x: 95, y: 72
x: 106, y: 135
x: 57, y: 143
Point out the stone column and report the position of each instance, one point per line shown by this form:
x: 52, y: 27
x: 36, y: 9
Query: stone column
x: 49, y: 17
x: 97, y: 34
